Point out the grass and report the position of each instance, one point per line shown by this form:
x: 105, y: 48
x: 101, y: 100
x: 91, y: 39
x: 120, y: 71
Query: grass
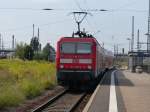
x: 21, y: 80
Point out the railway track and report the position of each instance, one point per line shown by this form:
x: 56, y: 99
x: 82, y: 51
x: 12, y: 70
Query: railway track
x: 66, y: 101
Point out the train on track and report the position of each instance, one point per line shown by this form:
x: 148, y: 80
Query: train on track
x: 81, y: 60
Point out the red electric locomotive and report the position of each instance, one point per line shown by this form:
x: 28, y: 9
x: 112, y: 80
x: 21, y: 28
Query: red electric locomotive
x: 80, y: 60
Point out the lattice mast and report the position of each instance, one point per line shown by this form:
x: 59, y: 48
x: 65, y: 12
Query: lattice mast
x: 148, y: 35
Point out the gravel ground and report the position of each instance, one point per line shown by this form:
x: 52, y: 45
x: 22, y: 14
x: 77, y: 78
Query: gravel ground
x: 83, y: 103
x: 64, y: 103
x: 33, y: 103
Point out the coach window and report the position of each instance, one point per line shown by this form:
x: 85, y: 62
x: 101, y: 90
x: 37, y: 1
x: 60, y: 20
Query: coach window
x: 68, y: 48
x: 83, y: 48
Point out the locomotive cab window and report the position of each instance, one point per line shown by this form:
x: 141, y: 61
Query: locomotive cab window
x: 84, y: 48
x: 68, y: 47
x: 79, y: 48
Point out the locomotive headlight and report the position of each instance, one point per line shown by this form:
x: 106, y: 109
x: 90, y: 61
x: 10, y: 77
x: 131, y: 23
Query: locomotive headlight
x: 89, y: 67
x: 61, y: 66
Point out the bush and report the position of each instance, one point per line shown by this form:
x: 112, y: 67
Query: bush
x: 10, y: 96
x: 31, y: 88
x: 20, y: 80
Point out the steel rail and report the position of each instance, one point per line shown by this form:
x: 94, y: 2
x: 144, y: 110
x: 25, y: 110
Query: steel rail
x: 50, y: 101
x: 74, y: 106
x: 70, y: 108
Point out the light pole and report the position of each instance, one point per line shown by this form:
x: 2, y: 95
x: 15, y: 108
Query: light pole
x: 0, y: 42
x: 132, y: 40
x: 129, y: 43
x: 148, y: 33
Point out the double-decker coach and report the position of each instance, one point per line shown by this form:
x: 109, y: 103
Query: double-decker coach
x: 79, y: 60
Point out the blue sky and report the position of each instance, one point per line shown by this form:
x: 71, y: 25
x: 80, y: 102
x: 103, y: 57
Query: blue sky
x: 54, y: 24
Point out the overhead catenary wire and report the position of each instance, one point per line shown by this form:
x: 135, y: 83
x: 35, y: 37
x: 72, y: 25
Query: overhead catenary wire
x: 92, y: 26
x: 120, y: 9
x: 28, y: 27
x: 17, y: 8
x: 78, y: 5
x: 30, y: 35
x: 61, y: 9
x: 88, y: 10
x: 40, y: 25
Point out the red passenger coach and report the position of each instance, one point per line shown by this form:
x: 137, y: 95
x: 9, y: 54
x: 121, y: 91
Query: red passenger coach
x: 79, y: 60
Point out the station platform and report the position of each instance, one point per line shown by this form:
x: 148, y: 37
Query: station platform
x: 121, y: 91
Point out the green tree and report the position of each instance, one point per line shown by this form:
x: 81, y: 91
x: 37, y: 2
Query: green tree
x: 48, y: 53
x: 35, y: 44
x: 28, y: 52
x: 20, y: 50
x: 24, y: 51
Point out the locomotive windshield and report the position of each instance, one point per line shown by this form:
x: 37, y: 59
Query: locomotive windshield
x: 83, y: 48
x: 68, y: 48
x: 79, y: 48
